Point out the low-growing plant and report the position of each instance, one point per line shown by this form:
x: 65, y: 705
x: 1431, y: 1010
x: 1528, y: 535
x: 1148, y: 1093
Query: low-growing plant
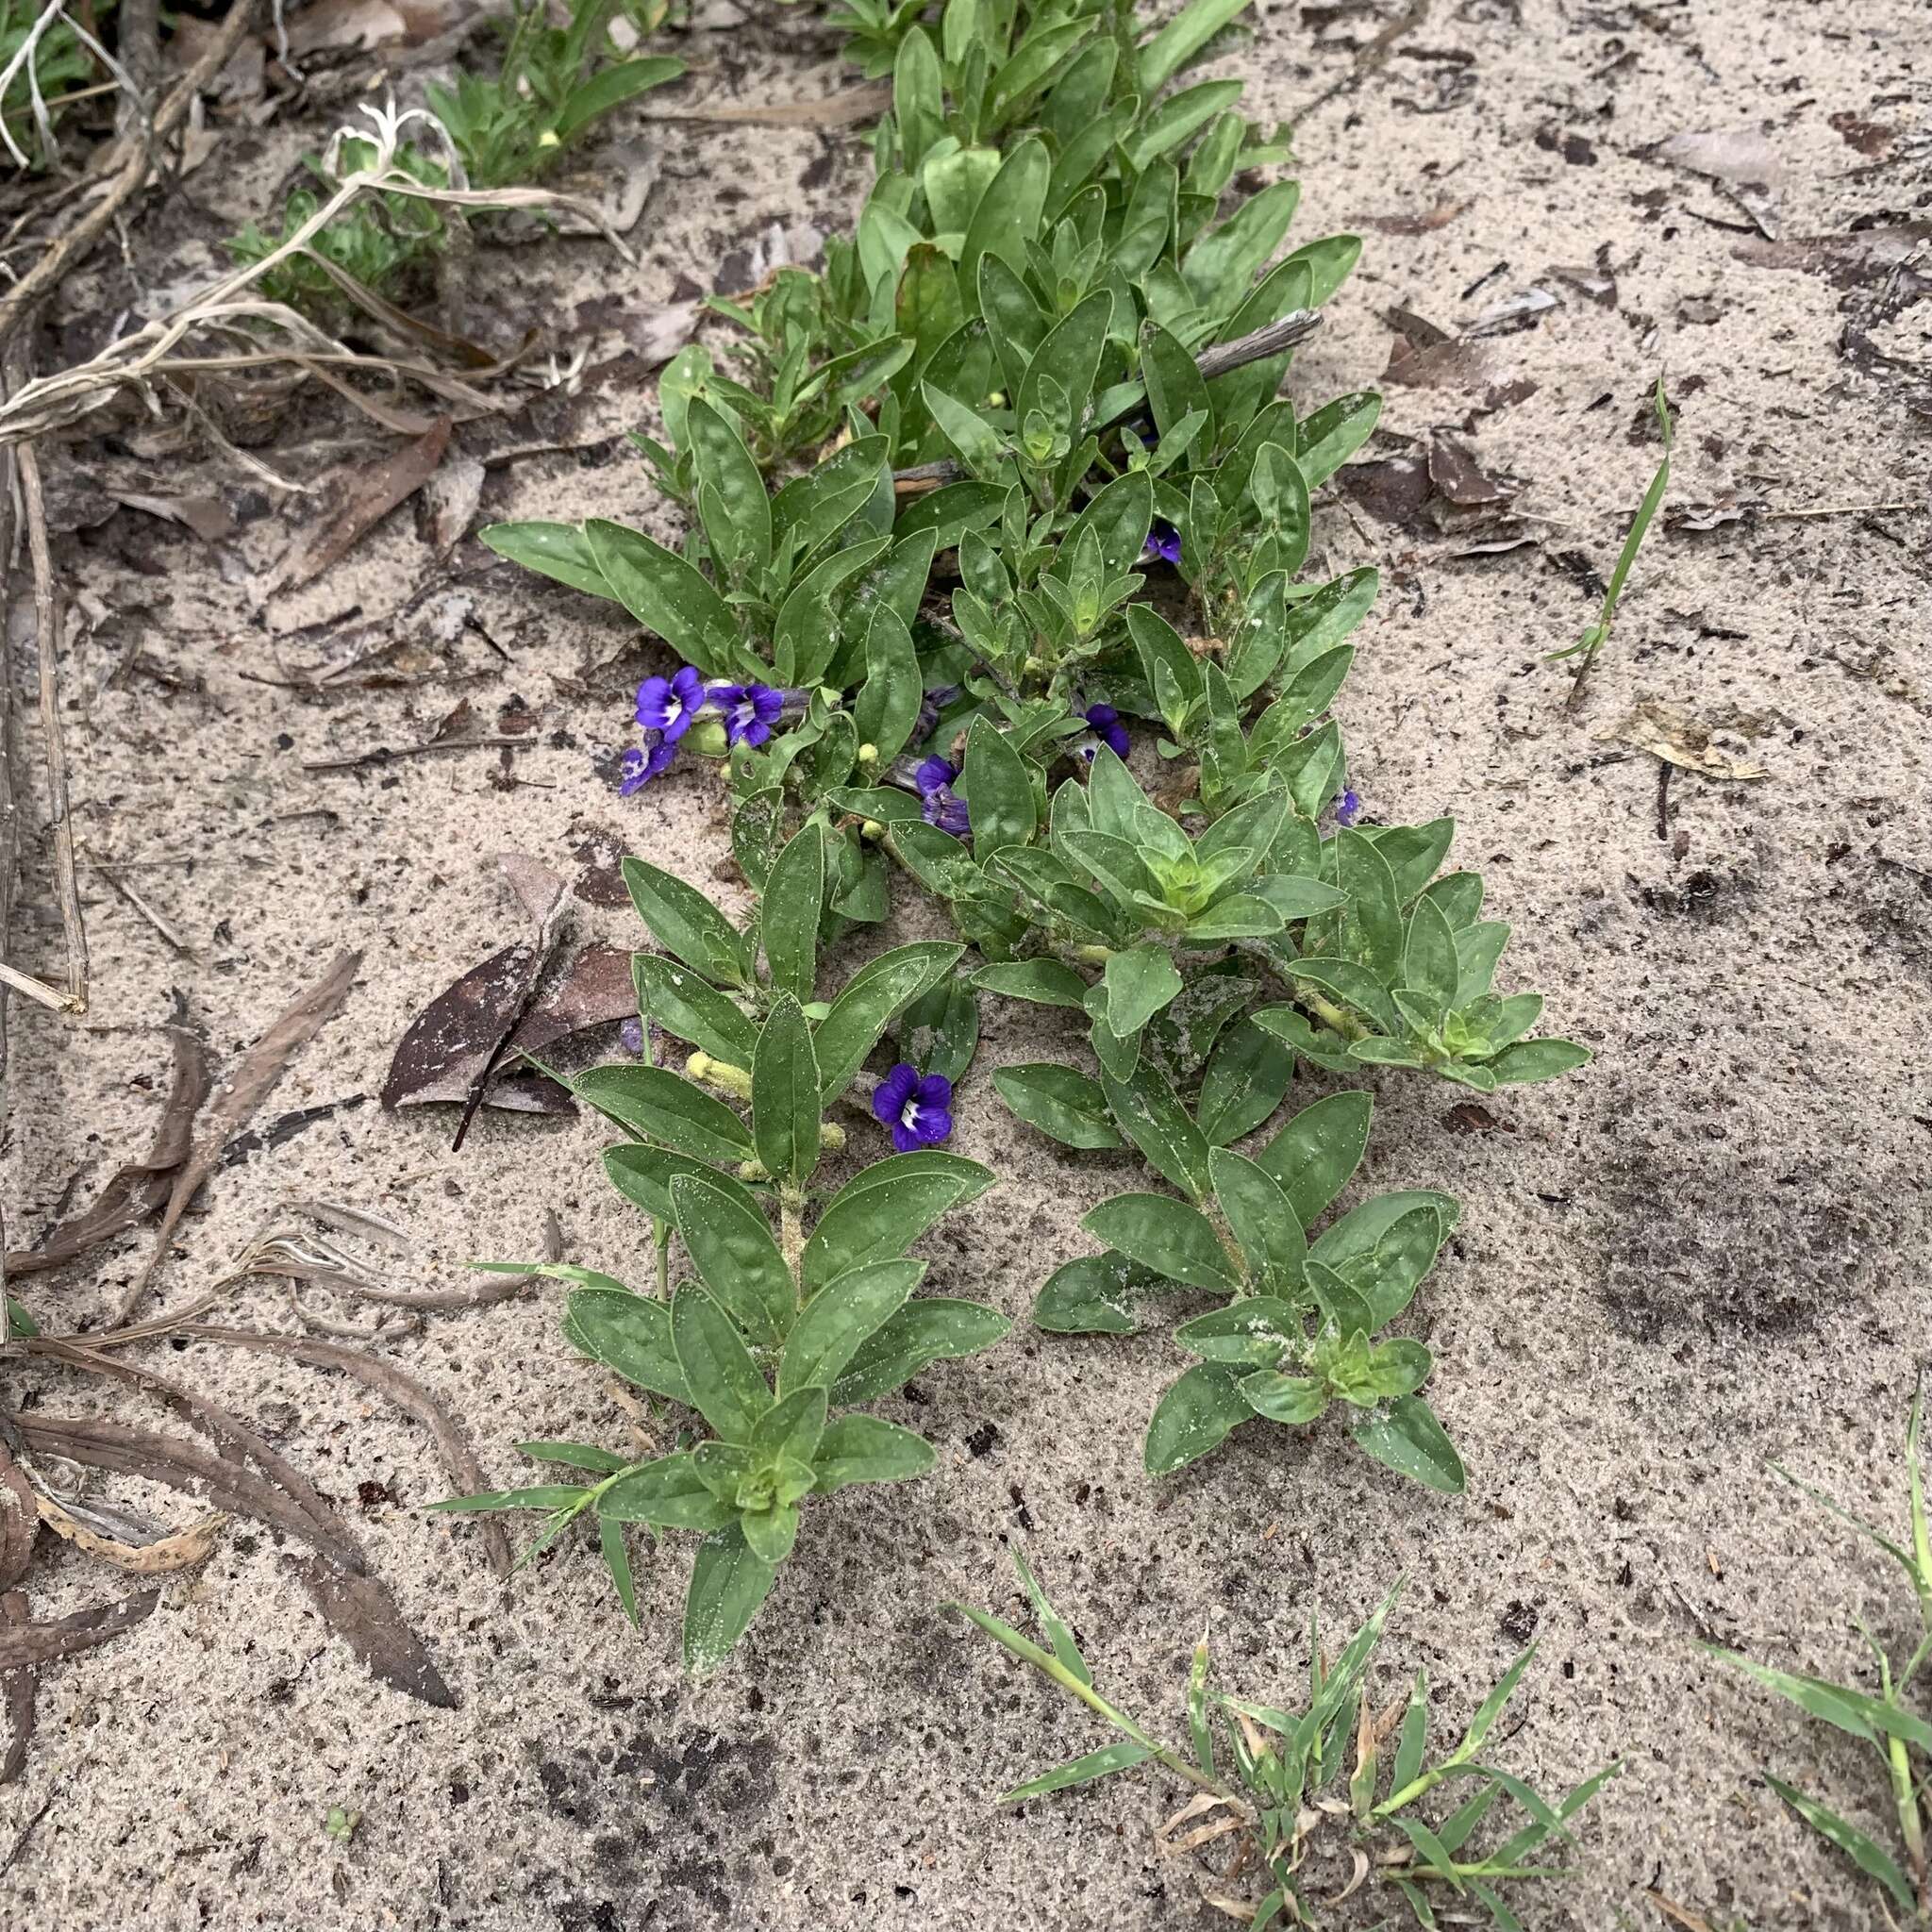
x: 1314, y: 1802
x: 1897, y: 1734
x: 506, y: 129
x: 779, y: 1339
x: 44, y: 59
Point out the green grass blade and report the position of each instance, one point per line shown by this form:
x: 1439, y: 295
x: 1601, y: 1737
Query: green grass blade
x: 1869, y: 1858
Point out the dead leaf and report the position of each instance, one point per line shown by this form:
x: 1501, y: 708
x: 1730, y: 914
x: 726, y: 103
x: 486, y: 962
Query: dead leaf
x: 148, y: 1556
x: 835, y: 111
x: 408, y: 1395
x: 365, y: 503
x: 1444, y: 212
x: 1472, y: 1117
x: 24, y: 1645
x: 533, y: 882
x: 361, y: 1612
x: 1597, y: 284
x: 1518, y: 312
x: 244, y: 1089
x: 601, y: 854
x: 139, y: 1189
x: 209, y: 517
x: 1742, y: 160
x: 449, y: 502
x: 1870, y: 138
x: 18, y: 1522
x: 1679, y: 739
x: 22, y: 1686
x: 1458, y: 478
x: 331, y: 24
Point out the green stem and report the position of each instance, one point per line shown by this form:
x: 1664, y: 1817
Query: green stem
x: 1910, y: 1826
x: 722, y: 1075
x: 1331, y: 1014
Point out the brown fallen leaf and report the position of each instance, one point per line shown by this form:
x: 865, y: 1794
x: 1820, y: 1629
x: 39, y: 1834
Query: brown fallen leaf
x: 408, y: 1395
x: 835, y: 111
x: 449, y: 502
x: 18, y: 1521
x: 242, y: 1093
x: 140, y: 1188
x: 1444, y: 212
x: 601, y: 854
x: 148, y: 1556
x: 1457, y: 476
x: 1472, y: 1117
x: 22, y: 1687
x: 361, y: 1612
x: 209, y: 517
x: 1679, y: 739
x: 26, y: 1645
x: 368, y: 499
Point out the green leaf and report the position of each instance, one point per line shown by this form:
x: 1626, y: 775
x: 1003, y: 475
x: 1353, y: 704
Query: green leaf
x: 1249, y: 1333
x: 1869, y: 1858
x: 686, y: 923
x: 556, y: 550
x: 1529, y: 1060
x: 1428, y: 955
x: 1414, y: 1738
x: 794, y: 897
x: 862, y: 1011
x: 1292, y: 1400
x: 540, y: 1497
x: 1327, y: 439
x: 1122, y: 1755
x: 1138, y: 983
x: 1386, y: 1272
x: 1147, y: 1109
x: 788, y: 1431
x: 887, y: 706
x: 667, y: 595
x: 726, y: 1387
x: 19, y: 1325
x: 732, y: 1249
x: 1057, y: 1634
x: 611, y: 86
x: 998, y: 790
x: 1007, y: 216
x: 1179, y: 116
x: 1168, y: 1235
x: 668, y: 1493
x: 1412, y: 1442
x: 928, y: 1329
x: 1261, y: 1219
x: 1244, y: 1082
x: 630, y: 1335
x: 1118, y: 515
x: 1181, y: 41
x: 758, y: 835
x: 725, y: 468
x: 666, y: 1106
x: 1194, y: 1417
x: 686, y: 1003
x: 977, y: 443
x: 1059, y: 1101
x: 839, y: 1318
x: 1328, y: 262
x: 1314, y: 1154
x: 729, y: 1587
x: 643, y: 1175
x: 611, y: 1545
x: 574, y: 1455
x: 1045, y: 982
x: 1093, y: 1295
x: 785, y: 1095
x: 1070, y: 357
x: 1221, y: 267
x: 885, y: 1208
x: 1866, y: 1717
x: 865, y: 1449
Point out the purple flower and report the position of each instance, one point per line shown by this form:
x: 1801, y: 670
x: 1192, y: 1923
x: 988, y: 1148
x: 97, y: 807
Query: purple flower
x: 1108, y: 728
x: 1164, y: 541
x: 934, y: 774
x: 669, y: 704
x: 639, y: 768
x: 919, y: 1111
x: 630, y: 1036
x: 750, y: 711
x: 1348, y: 807
x: 931, y: 702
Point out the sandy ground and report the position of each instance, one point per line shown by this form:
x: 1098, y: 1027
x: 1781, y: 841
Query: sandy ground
x: 1707, y: 1250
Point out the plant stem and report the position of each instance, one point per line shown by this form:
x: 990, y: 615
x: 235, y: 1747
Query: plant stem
x: 791, y: 1237
x: 1331, y: 1014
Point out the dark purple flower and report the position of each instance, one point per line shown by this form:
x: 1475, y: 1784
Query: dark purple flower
x: 1164, y: 541
x: 934, y: 774
x: 919, y: 1111
x: 630, y: 1036
x: 931, y: 702
x: 639, y: 768
x: 946, y: 809
x: 669, y: 704
x: 750, y: 711
x: 1108, y: 728
x: 1348, y: 807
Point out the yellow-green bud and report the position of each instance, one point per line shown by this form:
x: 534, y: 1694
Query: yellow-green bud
x: 872, y: 831
x: 868, y: 753
x: 707, y: 737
